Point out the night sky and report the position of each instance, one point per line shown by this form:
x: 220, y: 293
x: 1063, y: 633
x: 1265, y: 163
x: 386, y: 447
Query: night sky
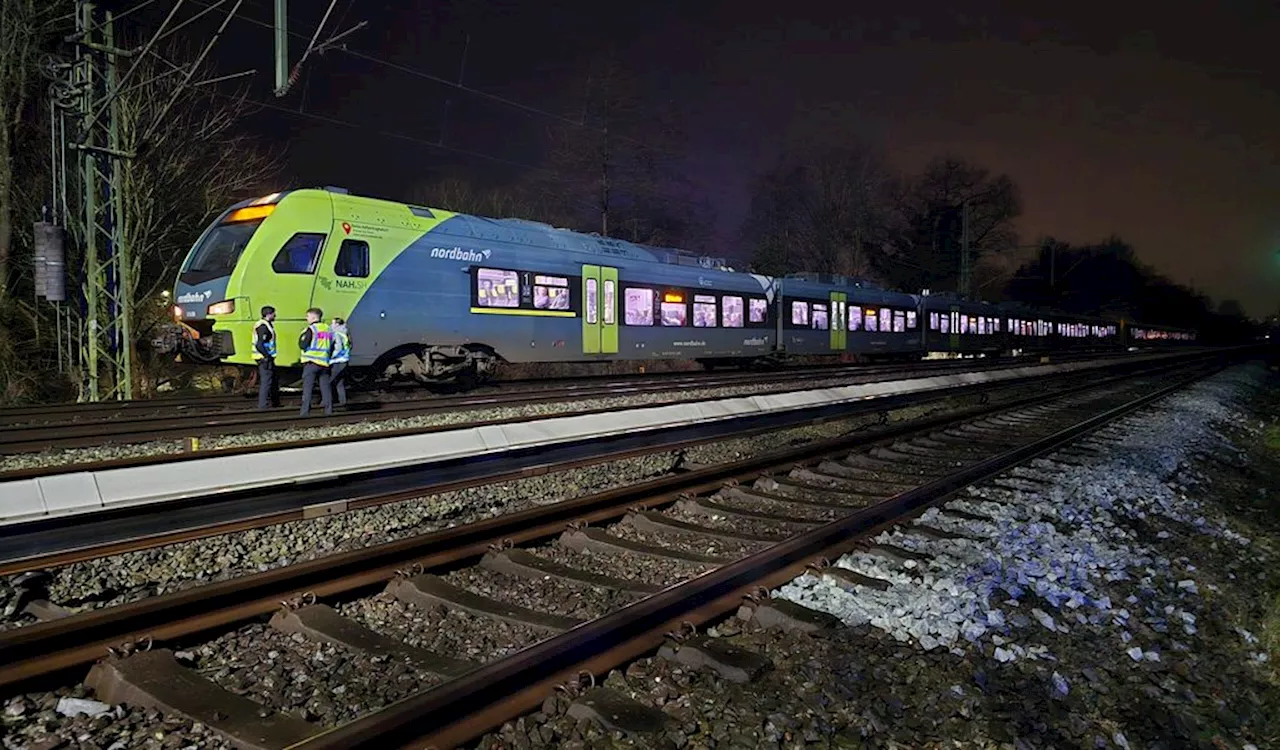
x: 1162, y: 127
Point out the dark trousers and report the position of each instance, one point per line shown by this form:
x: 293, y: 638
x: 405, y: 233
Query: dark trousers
x: 311, y: 372
x: 338, y: 376
x: 268, y: 384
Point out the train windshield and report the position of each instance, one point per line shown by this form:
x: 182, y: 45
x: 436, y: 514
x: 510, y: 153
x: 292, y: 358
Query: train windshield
x: 217, y: 254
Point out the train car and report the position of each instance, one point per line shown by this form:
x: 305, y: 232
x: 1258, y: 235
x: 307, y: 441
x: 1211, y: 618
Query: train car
x: 956, y: 327
x: 1148, y: 336
x: 825, y: 314
x: 1081, y: 333
x: 1027, y: 331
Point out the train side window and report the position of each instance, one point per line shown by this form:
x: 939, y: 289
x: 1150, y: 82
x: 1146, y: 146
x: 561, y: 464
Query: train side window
x: 352, y: 260
x: 982, y: 326
x: 933, y: 321
x: 800, y: 314
x: 911, y: 320
x: 674, y: 310
x: 610, y: 301
x: 551, y: 293
x: 704, y: 311
x: 496, y: 288
x: 758, y: 310
x: 871, y: 324
x: 820, y: 318
x: 855, y: 317
x: 299, y: 254
x: 593, y: 301
x: 731, y: 312
x: 944, y: 324
x: 638, y: 306
x: 899, y: 321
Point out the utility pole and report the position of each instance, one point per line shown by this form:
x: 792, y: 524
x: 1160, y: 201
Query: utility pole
x: 98, y: 223
x: 89, y: 158
x: 966, y: 277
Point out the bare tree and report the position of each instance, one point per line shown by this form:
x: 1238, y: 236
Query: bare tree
x: 831, y: 209
x: 935, y: 208
x: 460, y: 195
x: 191, y: 167
x: 617, y: 173
x: 24, y: 30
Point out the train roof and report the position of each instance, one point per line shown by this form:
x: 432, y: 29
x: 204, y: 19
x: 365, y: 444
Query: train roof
x: 544, y: 236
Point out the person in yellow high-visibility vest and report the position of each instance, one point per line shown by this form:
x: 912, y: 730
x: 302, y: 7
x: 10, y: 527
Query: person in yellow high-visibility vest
x: 339, y: 359
x: 316, y: 345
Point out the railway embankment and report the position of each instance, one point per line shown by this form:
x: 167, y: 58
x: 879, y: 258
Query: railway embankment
x: 1129, y: 600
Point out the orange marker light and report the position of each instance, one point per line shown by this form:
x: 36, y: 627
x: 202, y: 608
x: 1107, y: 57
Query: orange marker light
x: 669, y: 297
x: 249, y: 213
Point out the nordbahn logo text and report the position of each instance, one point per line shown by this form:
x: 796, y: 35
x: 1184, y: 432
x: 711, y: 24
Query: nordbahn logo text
x: 457, y: 253
x: 194, y: 297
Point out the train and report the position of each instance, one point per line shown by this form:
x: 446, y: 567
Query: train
x: 435, y: 296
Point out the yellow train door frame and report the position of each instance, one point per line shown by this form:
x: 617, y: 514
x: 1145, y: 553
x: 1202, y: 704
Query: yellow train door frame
x: 839, y: 331
x: 599, y: 310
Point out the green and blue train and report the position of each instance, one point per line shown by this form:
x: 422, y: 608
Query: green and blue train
x: 430, y: 295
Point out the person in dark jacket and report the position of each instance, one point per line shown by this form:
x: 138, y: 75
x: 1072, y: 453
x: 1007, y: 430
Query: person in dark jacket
x: 264, y: 350
x: 316, y: 345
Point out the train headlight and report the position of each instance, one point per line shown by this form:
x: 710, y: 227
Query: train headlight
x: 177, y: 312
x: 224, y: 307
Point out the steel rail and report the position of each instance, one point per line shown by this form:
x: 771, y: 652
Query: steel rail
x: 464, y: 708
x: 42, y: 649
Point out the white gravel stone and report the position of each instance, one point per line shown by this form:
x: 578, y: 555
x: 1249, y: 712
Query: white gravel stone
x: 1053, y: 552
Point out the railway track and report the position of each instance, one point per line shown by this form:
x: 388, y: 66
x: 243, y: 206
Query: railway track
x: 61, y: 540
x: 24, y: 430
x: 52, y: 414
x: 73, y: 413
x: 586, y: 584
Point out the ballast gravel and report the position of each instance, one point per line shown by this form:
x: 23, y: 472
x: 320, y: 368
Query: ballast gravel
x: 318, y: 682
x: 1125, y: 600
x: 137, y: 575
x: 660, y: 571
x: 546, y: 594
x: 115, y: 451
x: 442, y: 630
x: 697, y: 544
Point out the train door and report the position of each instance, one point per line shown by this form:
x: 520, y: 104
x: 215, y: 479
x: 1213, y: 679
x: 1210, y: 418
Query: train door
x: 955, y: 328
x: 599, y: 310
x: 839, y: 331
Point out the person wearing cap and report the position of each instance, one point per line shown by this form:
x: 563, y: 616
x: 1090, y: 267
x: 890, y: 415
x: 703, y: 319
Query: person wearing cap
x: 341, y: 356
x: 316, y: 345
x: 264, y: 351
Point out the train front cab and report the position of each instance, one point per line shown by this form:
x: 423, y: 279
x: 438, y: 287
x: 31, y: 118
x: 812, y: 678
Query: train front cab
x: 259, y: 252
